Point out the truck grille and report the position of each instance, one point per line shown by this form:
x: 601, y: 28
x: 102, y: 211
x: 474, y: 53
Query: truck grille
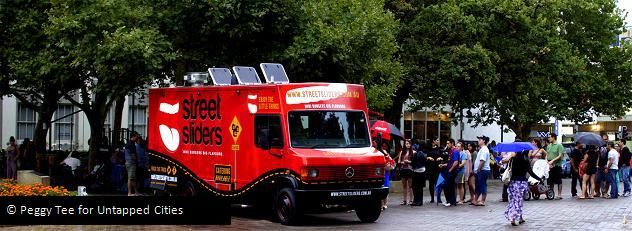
x: 342, y: 172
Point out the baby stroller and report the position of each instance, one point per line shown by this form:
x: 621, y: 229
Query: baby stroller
x: 536, y: 187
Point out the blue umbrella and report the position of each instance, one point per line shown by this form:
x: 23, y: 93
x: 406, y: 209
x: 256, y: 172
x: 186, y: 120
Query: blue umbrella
x: 514, y: 147
x: 589, y: 138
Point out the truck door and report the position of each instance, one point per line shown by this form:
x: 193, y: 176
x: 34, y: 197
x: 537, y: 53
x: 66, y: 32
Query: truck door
x: 268, y: 135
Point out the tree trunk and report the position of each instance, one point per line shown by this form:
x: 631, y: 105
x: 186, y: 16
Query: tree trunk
x: 39, y: 136
x: 118, y: 117
x: 45, y: 112
x: 522, y: 130
x: 394, y: 113
x: 96, y: 136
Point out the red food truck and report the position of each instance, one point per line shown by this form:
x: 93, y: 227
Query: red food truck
x: 294, y: 148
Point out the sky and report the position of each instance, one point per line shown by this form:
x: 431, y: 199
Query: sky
x: 626, y: 5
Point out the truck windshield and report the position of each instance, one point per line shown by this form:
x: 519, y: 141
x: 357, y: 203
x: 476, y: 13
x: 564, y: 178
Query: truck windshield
x: 328, y: 129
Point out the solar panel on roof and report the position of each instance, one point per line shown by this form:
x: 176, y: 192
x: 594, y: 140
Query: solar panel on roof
x: 222, y: 76
x: 274, y: 73
x: 246, y: 75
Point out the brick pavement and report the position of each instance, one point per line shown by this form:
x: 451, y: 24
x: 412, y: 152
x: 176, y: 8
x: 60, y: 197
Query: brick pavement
x: 567, y: 214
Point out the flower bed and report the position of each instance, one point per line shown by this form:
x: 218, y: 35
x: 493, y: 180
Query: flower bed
x: 11, y: 188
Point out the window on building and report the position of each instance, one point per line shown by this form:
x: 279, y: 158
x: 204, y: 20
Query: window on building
x: 25, y: 122
x: 63, y: 127
x: 137, y: 118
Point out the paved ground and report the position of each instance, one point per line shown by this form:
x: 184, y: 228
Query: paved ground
x: 567, y: 214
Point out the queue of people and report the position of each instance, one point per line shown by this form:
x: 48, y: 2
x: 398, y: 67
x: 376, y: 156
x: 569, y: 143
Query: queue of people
x: 132, y: 154
x: 457, y: 168
x: 601, y: 169
x: 451, y: 169
x: 20, y: 157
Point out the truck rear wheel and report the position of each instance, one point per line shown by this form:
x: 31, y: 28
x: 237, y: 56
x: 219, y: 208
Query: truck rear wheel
x: 188, y: 190
x: 285, y: 207
x: 370, y: 211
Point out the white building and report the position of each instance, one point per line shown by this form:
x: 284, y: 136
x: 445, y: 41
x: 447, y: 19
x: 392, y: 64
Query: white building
x: 73, y: 131
x: 426, y: 124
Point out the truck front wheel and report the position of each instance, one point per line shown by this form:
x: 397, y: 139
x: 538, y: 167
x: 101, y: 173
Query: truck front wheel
x: 285, y: 207
x: 370, y: 211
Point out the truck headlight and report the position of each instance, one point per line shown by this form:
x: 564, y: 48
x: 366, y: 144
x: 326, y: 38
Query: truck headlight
x: 313, y: 173
x: 309, y: 173
x: 379, y: 171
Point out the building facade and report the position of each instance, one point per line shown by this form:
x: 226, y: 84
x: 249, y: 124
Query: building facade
x: 426, y: 124
x: 70, y: 129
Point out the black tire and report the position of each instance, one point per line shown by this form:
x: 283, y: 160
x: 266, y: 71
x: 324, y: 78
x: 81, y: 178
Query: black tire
x: 550, y: 195
x: 285, y: 207
x: 370, y: 211
x: 536, y: 196
x: 188, y: 190
x: 527, y: 195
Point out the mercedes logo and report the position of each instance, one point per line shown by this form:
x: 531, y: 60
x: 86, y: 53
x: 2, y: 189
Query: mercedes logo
x: 349, y: 172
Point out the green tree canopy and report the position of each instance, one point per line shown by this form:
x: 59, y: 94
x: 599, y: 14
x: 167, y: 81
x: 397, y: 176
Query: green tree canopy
x: 347, y: 41
x: 329, y: 41
x: 29, y: 66
x: 519, y: 62
x: 112, y: 47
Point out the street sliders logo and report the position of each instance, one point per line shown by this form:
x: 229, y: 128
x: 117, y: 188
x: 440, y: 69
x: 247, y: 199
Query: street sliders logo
x: 195, y: 111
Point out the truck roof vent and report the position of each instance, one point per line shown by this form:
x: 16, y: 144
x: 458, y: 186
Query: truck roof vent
x: 274, y: 73
x: 246, y: 75
x: 196, y: 78
x: 222, y: 76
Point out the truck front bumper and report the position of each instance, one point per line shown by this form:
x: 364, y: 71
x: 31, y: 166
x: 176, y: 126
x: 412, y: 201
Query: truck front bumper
x: 315, y: 197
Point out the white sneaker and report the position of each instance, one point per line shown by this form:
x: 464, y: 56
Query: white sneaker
x: 447, y: 204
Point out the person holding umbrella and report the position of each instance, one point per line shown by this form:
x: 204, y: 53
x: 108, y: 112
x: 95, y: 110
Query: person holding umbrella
x: 595, y: 161
x: 589, y: 168
x: 519, y: 167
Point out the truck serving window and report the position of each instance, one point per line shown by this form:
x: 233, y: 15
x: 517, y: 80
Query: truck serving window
x: 328, y: 129
x: 268, y: 131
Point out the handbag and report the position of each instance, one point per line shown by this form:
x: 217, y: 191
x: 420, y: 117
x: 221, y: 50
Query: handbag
x: 582, y: 168
x: 506, y: 177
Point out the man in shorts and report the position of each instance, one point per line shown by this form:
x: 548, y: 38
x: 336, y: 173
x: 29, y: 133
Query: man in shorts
x: 555, y: 153
x: 131, y: 160
x: 481, y: 171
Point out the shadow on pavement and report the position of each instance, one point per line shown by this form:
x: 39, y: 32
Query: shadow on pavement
x: 325, y: 219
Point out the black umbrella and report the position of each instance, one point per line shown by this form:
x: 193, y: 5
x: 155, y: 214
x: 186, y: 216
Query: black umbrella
x: 589, y: 138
